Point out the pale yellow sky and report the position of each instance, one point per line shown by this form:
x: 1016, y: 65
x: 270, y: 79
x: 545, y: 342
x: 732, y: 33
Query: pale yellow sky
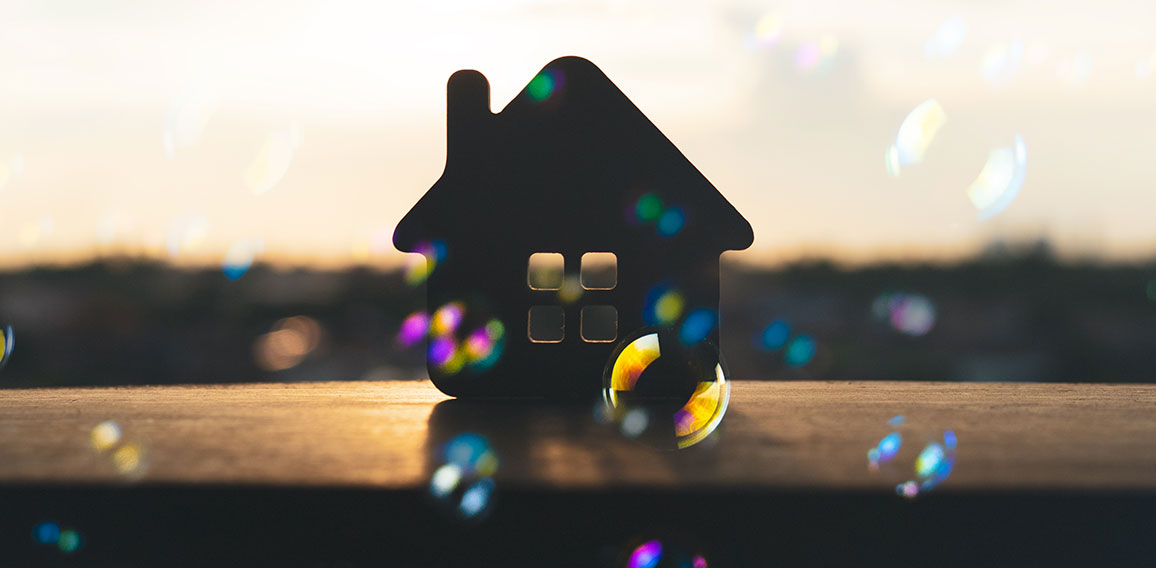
x: 302, y: 131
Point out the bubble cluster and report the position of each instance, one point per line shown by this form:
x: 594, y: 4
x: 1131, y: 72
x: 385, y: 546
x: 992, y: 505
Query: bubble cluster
x: 1000, y: 180
x: 287, y: 344
x: 455, y: 344
x: 664, y: 552
x: 464, y: 483
x: 915, y: 135
x: 817, y: 56
x: 51, y: 534
x: 668, y: 220
x: 931, y: 464
x: 418, y: 268
x: 947, y: 39
x: 128, y: 457
x: 906, y: 312
x: 272, y: 161
x: 7, y: 344
x: 664, y: 392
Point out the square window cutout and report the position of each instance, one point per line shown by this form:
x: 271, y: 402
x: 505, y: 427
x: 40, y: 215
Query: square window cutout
x: 599, y: 271
x: 547, y: 324
x: 545, y: 271
x: 599, y: 324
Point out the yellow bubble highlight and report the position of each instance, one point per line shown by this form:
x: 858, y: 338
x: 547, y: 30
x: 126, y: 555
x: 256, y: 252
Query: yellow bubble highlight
x: 105, y: 436
x: 631, y: 362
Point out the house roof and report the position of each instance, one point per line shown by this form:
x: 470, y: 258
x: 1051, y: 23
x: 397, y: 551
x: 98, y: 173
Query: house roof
x: 563, y: 165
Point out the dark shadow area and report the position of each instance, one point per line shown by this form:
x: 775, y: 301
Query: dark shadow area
x: 180, y: 526
x: 1011, y: 316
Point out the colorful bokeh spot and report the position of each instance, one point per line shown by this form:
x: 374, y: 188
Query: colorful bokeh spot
x: 463, y: 485
x: 817, y: 56
x: 646, y: 555
x: 800, y: 351
x: 1000, y: 180
x: 663, y: 305
x: 671, y: 222
x: 697, y: 326
x: 915, y: 135
x: 413, y: 329
x: 906, y: 312
x: 775, y: 335
x: 447, y: 318
x: 7, y: 343
x: 418, y: 269
x: 648, y: 208
x: 544, y: 85
x: 931, y: 465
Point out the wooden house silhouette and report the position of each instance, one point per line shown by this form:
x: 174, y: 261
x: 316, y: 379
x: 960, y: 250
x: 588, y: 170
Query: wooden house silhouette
x: 569, y: 167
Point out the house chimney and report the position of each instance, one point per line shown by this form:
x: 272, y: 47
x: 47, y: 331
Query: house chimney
x: 468, y: 108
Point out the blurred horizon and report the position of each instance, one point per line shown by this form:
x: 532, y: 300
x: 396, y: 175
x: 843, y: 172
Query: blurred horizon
x: 299, y: 133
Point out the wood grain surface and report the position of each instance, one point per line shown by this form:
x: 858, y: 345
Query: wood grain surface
x: 776, y: 435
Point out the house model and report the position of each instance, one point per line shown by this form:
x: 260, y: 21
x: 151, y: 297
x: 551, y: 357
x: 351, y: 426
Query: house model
x: 556, y: 226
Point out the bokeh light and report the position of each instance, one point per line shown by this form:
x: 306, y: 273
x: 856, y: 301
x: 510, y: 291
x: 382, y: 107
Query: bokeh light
x: 463, y: 484
x: 545, y: 84
x: 105, y: 436
x: 646, y: 555
x: 648, y: 208
x: 915, y: 135
x: 47, y: 533
x: 413, y: 329
x: 800, y: 351
x: 906, y: 312
x: 418, y: 268
x: 186, y: 118
x: 818, y: 55
x: 768, y: 30
x: 273, y: 159
x: 669, y: 551
x: 697, y: 326
x: 10, y: 169
x: 664, y: 392
x: 287, y: 344
x: 7, y: 344
x: 930, y: 464
x: 1000, y: 180
x: 947, y: 39
x: 240, y: 257
x: 669, y: 220
x: 1001, y: 61
x: 663, y: 305
x: 66, y: 540
x: 775, y: 335
x: 447, y: 318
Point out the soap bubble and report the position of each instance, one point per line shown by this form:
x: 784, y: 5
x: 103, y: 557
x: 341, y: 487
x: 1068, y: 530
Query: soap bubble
x: 461, y: 338
x: 1000, y: 180
x: 1001, y: 62
x: 463, y: 484
x: 906, y: 312
x: 947, y: 39
x: 663, y: 305
x: 240, y: 256
x: 919, y: 459
x: 418, y: 268
x: 7, y: 344
x: 273, y: 159
x: 664, y: 392
x: 915, y: 135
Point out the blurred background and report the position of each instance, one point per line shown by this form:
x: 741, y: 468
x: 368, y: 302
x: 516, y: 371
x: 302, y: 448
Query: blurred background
x: 206, y: 192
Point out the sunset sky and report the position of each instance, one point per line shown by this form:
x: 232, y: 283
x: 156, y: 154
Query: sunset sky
x: 301, y: 131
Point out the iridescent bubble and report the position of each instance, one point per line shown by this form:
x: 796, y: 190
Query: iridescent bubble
x: 817, y: 56
x: 930, y: 463
x: 659, y: 552
x: 775, y: 335
x: 7, y: 344
x: 240, y: 258
x: 663, y: 305
x: 105, y: 436
x: 947, y: 39
x: 800, y: 351
x: 463, y: 484
x: 418, y: 268
x: 545, y: 84
x: 1000, y: 180
x: 446, y: 319
x: 671, y: 222
x: 646, y: 555
x: 273, y: 159
x: 413, y: 329
x: 915, y: 135
x: 1001, y: 62
x: 11, y: 169
x: 671, y: 394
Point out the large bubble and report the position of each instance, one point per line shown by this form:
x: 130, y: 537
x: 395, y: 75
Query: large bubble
x: 664, y: 392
